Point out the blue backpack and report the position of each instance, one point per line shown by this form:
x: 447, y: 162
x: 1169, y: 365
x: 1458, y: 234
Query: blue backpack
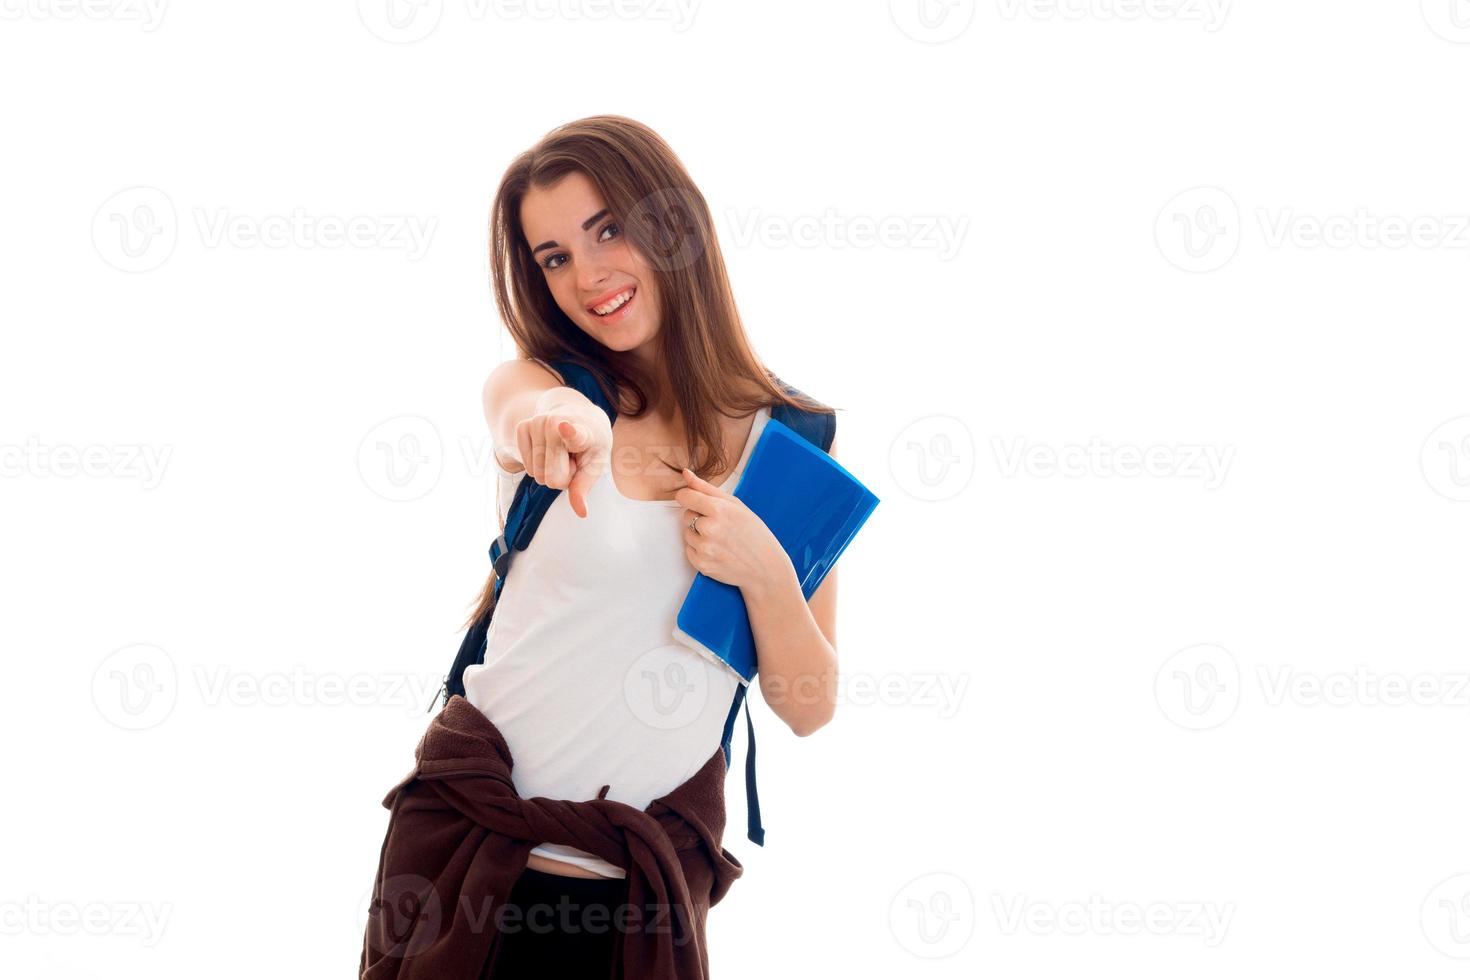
x: 529, y: 506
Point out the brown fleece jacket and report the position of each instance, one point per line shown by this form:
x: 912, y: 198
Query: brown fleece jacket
x: 458, y: 837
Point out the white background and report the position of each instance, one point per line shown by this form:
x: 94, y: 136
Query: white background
x: 1227, y: 699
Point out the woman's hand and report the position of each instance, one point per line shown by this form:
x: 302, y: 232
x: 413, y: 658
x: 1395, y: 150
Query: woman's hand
x: 729, y: 543
x: 566, y: 444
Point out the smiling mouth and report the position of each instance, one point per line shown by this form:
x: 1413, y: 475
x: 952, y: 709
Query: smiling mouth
x: 619, y: 301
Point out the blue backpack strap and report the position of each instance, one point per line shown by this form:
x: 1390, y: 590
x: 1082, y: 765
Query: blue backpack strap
x: 818, y: 428
x: 753, y: 828
x: 527, y: 507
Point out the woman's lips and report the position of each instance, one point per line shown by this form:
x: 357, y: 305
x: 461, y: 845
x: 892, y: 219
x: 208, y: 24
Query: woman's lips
x: 621, y: 311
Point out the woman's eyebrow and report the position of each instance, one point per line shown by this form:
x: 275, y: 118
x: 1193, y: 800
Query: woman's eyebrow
x: 585, y: 225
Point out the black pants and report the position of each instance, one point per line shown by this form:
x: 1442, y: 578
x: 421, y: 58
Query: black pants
x: 560, y: 926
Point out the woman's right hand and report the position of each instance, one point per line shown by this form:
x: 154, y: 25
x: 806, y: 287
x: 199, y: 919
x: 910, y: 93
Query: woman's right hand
x: 566, y: 445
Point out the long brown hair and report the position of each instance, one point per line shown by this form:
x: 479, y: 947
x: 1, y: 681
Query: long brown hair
x: 710, y: 365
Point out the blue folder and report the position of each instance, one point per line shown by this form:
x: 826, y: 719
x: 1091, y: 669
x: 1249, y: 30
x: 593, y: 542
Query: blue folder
x: 812, y: 505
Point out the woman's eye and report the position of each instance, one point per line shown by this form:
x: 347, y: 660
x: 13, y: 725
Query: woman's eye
x: 551, y: 261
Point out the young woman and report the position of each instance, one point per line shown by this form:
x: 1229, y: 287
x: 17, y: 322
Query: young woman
x: 604, y: 253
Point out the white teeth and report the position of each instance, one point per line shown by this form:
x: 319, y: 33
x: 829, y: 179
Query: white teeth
x: 613, y: 304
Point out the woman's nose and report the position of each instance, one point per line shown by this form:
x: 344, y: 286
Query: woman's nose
x: 591, y: 273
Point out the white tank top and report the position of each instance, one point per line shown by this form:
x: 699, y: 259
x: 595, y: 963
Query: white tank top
x: 581, y: 672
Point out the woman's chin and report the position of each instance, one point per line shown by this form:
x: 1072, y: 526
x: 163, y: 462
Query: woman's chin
x: 621, y: 340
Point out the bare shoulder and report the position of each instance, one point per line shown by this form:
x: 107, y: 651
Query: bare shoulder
x: 523, y: 372
x: 506, y: 381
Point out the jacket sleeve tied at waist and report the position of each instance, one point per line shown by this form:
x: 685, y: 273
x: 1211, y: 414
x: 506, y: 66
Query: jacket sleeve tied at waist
x: 458, y: 838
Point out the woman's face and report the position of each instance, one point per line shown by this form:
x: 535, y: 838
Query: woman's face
x: 589, y: 265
